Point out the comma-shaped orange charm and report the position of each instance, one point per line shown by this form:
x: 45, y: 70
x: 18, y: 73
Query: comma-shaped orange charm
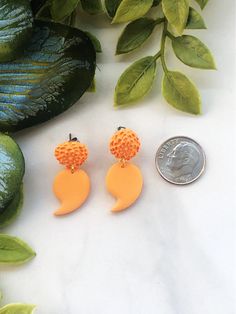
x: 72, y: 185
x: 124, y: 180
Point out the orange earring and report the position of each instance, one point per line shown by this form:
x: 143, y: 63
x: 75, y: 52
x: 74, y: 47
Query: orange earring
x: 124, y: 180
x: 72, y: 185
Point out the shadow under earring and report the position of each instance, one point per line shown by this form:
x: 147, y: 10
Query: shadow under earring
x: 124, y: 180
x: 72, y: 185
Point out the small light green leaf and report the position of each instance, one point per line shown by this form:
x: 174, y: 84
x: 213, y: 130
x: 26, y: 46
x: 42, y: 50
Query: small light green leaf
x: 195, y: 21
x: 17, y: 308
x: 12, y: 210
x: 135, y: 34
x: 176, y: 12
x: 16, y: 22
x: 14, y: 251
x: 111, y: 7
x: 191, y: 51
x: 202, y: 3
x: 95, y: 41
x: 12, y: 168
x: 136, y: 81
x: 130, y: 10
x: 92, y: 6
x: 60, y: 9
x: 181, y: 93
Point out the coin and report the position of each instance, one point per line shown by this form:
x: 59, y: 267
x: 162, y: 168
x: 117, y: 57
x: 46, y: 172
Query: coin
x: 180, y: 160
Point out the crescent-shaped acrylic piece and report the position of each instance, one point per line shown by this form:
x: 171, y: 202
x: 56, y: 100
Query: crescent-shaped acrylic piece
x: 72, y: 189
x: 125, y: 184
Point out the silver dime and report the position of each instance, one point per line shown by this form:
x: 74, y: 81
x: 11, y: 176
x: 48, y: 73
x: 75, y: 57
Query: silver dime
x: 180, y: 160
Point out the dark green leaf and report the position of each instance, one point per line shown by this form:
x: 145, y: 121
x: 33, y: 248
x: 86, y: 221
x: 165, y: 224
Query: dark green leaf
x: 12, y: 210
x: 135, y: 34
x: 191, y: 51
x: 12, y: 169
x: 111, y: 6
x: 176, y: 12
x: 17, y: 308
x: 14, y: 251
x: 181, y: 93
x: 136, y: 81
x: 15, y: 28
x: 202, y: 3
x: 195, y: 21
x: 56, y: 69
x: 95, y: 41
x: 60, y: 9
x: 130, y: 10
x: 92, y: 6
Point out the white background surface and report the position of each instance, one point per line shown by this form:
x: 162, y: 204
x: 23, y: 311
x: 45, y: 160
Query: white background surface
x: 173, y: 251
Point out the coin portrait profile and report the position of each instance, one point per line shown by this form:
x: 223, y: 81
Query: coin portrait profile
x: 180, y: 160
x: 183, y: 160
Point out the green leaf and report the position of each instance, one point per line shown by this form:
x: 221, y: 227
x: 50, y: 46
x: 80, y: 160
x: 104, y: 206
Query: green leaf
x: 14, y: 251
x: 176, y: 12
x: 12, y: 169
x: 181, y: 93
x: 95, y: 41
x: 17, y: 308
x: 191, y: 51
x: 56, y: 69
x: 111, y: 6
x: 202, y: 3
x: 15, y: 28
x: 130, y: 10
x: 60, y: 9
x: 12, y: 210
x: 195, y: 21
x: 135, y: 34
x: 92, y: 6
x: 136, y: 81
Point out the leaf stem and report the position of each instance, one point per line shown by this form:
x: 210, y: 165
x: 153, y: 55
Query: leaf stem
x: 159, y: 20
x: 163, y: 42
x: 170, y: 35
x: 157, y: 55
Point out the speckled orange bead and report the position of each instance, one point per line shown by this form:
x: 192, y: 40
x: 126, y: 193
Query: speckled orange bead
x: 71, y: 154
x: 124, y: 144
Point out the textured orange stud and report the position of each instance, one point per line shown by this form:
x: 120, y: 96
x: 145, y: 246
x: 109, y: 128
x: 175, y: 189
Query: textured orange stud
x: 124, y: 180
x: 72, y: 185
x: 124, y: 144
